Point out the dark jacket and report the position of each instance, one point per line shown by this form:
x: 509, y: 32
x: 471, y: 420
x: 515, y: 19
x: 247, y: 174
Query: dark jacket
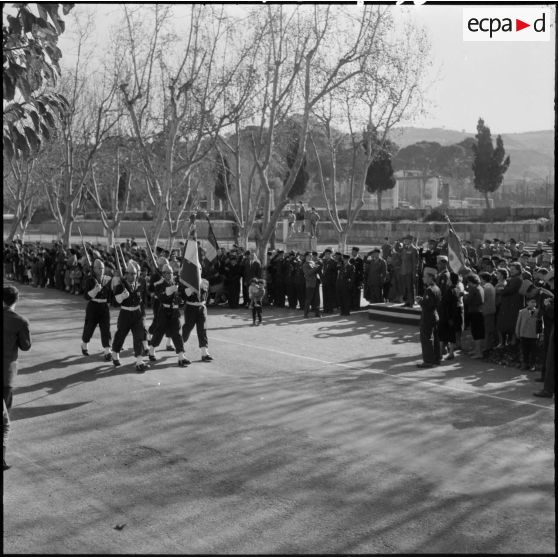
x: 16, y: 337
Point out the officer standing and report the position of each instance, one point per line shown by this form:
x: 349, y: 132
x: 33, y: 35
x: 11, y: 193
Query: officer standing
x: 357, y: 262
x: 97, y: 312
x: 344, y: 285
x: 429, y: 318
x: 409, y: 264
x: 329, y: 274
x: 311, y: 270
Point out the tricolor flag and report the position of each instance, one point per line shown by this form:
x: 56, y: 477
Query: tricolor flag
x: 456, y: 259
x: 190, y: 272
x: 212, y: 247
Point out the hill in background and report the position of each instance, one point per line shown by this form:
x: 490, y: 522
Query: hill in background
x: 531, y: 153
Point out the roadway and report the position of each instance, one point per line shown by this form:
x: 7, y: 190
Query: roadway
x: 315, y: 436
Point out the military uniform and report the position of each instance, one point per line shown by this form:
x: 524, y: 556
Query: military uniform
x: 170, y: 296
x: 195, y: 314
x: 358, y: 264
x: 344, y: 287
x: 97, y: 312
x: 131, y: 318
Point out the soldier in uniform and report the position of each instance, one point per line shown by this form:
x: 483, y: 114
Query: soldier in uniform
x: 344, y: 285
x: 168, y: 318
x: 443, y: 277
x: 329, y: 274
x: 97, y: 312
x: 429, y: 319
x: 195, y: 314
x: 357, y: 262
x: 409, y: 263
x: 311, y: 270
x: 155, y: 279
x: 377, y: 271
x: 131, y: 318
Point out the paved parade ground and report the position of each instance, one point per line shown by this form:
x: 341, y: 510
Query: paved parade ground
x: 304, y: 436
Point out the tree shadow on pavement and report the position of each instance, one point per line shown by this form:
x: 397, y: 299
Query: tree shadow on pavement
x: 21, y: 413
x: 90, y: 375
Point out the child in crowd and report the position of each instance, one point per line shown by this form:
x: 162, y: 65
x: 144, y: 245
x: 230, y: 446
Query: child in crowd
x: 256, y: 292
x: 527, y: 330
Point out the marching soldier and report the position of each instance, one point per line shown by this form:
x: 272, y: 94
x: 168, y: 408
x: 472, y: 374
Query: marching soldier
x: 195, y: 314
x: 97, y: 312
x: 131, y: 318
x: 168, y: 317
x: 156, y: 279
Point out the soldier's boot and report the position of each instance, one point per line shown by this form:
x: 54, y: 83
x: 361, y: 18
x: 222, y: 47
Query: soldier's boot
x: 115, y: 359
x: 84, y: 349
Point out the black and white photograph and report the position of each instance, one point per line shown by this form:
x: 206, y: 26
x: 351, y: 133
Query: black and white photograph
x: 278, y: 279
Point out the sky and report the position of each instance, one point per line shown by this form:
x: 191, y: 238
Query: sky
x: 509, y: 84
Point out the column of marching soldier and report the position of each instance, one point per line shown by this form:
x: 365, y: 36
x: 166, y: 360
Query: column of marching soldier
x: 170, y: 294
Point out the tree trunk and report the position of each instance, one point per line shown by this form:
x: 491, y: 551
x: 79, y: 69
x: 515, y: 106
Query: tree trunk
x: 13, y: 228
x: 342, y: 240
x: 379, y: 195
x: 486, y: 198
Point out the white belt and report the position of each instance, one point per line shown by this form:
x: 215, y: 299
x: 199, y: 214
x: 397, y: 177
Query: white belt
x: 130, y: 308
x: 98, y: 300
x: 169, y: 306
x: 195, y: 303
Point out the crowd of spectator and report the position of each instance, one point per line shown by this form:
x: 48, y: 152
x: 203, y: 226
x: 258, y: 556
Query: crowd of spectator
x: 505, y: 278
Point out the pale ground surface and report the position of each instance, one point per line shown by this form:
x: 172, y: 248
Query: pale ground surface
x: 302, y: 437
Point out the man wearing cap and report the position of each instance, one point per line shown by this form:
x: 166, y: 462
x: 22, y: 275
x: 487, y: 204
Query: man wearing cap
x: 127, y: 293
x: 358, y: 263
x: 97, y: 312
x: 376, y: 276
x: 429, y: 318
x: 329, y: 275
x: 344, y: 285
x: 409, y: 264
x: 168, y: 320
x: 311, y: 270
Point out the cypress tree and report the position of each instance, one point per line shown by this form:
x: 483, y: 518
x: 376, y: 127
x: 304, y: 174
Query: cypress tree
x: 489, y: 163
x: 379, y: 175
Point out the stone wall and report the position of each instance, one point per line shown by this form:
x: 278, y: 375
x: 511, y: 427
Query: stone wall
x: 365, y: 233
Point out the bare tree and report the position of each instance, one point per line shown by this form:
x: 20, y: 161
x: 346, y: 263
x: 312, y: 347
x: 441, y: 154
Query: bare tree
x: 308, y: 53
x: 22, y: 191
x: 84, y: 127
x: 388, y: 90
x: 175, y: 94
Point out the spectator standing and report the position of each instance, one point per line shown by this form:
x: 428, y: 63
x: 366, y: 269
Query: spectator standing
x: 527, y: 330
x: 474, y: 299
x: 16, y: 337
x: 301, y: 217
x: 314, y: 218
x: 488, y: 312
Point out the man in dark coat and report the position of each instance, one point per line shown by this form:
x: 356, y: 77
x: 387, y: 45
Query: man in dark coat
x: 358, y: 263
x: 16, y: 337
x: 311, y: 270
x: 329, y: 274
x: 344, y: 285
x: 429, y: 319
x: 377, y: 272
